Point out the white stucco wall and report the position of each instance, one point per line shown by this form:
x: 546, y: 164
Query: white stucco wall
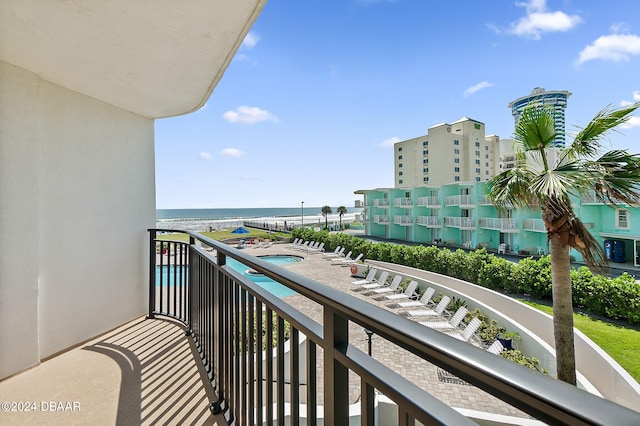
x: 77, y: 194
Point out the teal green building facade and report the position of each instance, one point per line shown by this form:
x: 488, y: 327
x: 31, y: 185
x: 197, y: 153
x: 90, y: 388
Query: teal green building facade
x: 461, y: 215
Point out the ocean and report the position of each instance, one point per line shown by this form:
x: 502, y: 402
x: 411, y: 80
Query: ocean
x: 205, y: 219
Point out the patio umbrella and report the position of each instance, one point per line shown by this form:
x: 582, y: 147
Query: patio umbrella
x: 240, y: 230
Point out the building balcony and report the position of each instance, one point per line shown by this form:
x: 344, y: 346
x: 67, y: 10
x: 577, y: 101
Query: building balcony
x: 533, y: 225
x: 403, y: 202
x: 429, y: 221
x: 381, y: 202
x: 200, y: 358
x: 403, y: 220
x: 506, y: 225
x: 381, y: 220
x: 431, y: 202
x: 460, y: 222
x: 460, y: 200
x: 483, y: 200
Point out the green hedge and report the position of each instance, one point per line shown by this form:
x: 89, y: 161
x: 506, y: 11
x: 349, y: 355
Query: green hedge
x: 615, y: 298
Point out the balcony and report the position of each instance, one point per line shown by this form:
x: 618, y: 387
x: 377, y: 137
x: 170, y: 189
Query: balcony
x: 429, y: 221
x: 381, y: 220
x: 460, y: 222
x: 381, y: 202
x: 483, y: 200
x: 533, y: 225
x: 506, y: 225
x: 322, y: 371
x: 403, y: 220
x: 403, y: 202
x: 460, y: 200
x: 431, y: 202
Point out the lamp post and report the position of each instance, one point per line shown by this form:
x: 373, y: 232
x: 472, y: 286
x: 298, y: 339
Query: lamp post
x: 302, y: 216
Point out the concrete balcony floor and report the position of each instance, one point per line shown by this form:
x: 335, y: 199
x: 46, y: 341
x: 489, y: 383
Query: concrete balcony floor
x: 144, y: 372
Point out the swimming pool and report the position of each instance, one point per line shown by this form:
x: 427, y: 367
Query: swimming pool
x: 275, y: 288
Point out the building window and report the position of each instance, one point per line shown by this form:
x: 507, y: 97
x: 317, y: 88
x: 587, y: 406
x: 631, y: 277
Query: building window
x: 456, y: 151
x: 425, y: 161
x: 399, y: 148
x: 456, y: 160
x: 425, y: 179
x: 456, y: 142
x: 622, y: 219
x: 400, y: 181
x: 486, y: 164
x: 425, y: 170
x: 477, y: 170
x: 400, y: 165
x: 477, y: 144
x: 477, y: 179
x: 487, y: 173
x: 456, y: 169
x: 486, y: 148
x: 478, y: 153
x: 425, y: 143
x: 400, y: 174
x: 457, y: 178
x: 399, y: 157
x: 486, y: 156
x: 425, y: 152
x: 478, y: 162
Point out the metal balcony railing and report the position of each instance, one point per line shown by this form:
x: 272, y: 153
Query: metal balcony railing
x: 459, y: 200
x: 403, y: 220
x: 381, y: 220
x: 402, y: 202
x: 433, y: 202
x: 500, y: 223
x: 381, y: 202
x: 536, y: 225
x: 460, y: 222
x: 227, y: 315
x: 429, y: 221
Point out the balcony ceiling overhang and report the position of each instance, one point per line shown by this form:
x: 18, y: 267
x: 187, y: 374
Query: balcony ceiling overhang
x: 156, y: 58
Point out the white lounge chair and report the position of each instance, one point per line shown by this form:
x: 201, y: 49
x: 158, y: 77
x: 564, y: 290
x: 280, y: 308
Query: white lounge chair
x: 340, y: 259
x: 302, y: 246
x: 409, y: 292
x: 379, y: 282
x: 502, y: 248
x: 424, y: 301
x: 347, y: 262
x: 496, y: 348
x: 369, y: 278
x: 295, y: 242
x: 393, y: 287
x: 467, y: 332
x: 339, y: 252
x: 436, y: 312
x: 452, y: 324
x: 318, y: 249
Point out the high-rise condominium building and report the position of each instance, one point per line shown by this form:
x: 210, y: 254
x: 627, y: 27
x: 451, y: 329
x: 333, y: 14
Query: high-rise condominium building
x: 456, y: 152
x: 554, y: 99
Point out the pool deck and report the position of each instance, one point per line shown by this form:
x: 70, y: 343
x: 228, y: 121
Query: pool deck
x: 144, y: 372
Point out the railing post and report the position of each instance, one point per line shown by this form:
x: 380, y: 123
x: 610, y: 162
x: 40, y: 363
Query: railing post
x: 336, y: 376
x: 152, y: 273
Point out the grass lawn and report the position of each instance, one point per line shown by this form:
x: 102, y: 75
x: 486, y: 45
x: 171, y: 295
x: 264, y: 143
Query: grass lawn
x: 223, y: 235
x: 621, y: 343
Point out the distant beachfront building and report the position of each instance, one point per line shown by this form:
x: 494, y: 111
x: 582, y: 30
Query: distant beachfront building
x: 460, y: 214
x: 456, y: 152
x: 555, y: 99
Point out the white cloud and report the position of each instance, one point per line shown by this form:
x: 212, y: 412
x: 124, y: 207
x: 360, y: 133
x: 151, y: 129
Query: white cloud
x: 539, y: 20
x: 250, y: 41
x: 206, y: 156
x: 620, y: 27
x: 636, y: 98
x: 631, y: 123
x: 249, y: 115
x: 389, y: 142
x: 231, y: 152
x: 473, y: 89
x: 613, y: 47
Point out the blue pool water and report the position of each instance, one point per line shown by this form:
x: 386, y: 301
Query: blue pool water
x: 267, y: 283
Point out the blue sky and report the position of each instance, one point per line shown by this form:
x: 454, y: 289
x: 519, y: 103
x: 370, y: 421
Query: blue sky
x: 310, y: 106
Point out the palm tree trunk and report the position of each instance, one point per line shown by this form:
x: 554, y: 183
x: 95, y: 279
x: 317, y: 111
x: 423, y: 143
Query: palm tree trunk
x: 563, y: 311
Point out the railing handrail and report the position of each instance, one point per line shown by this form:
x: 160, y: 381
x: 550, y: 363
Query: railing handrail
x: 543, y: 397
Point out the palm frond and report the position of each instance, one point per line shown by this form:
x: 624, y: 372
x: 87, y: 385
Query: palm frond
x: 535, y: 128
x: 615, y: 177
x: 587, y: 142
x: 512, y: 188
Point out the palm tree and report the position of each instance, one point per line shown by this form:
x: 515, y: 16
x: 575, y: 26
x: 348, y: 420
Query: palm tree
x: 342, y: 210
x: 544, y: 178
x: 326, y: 211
